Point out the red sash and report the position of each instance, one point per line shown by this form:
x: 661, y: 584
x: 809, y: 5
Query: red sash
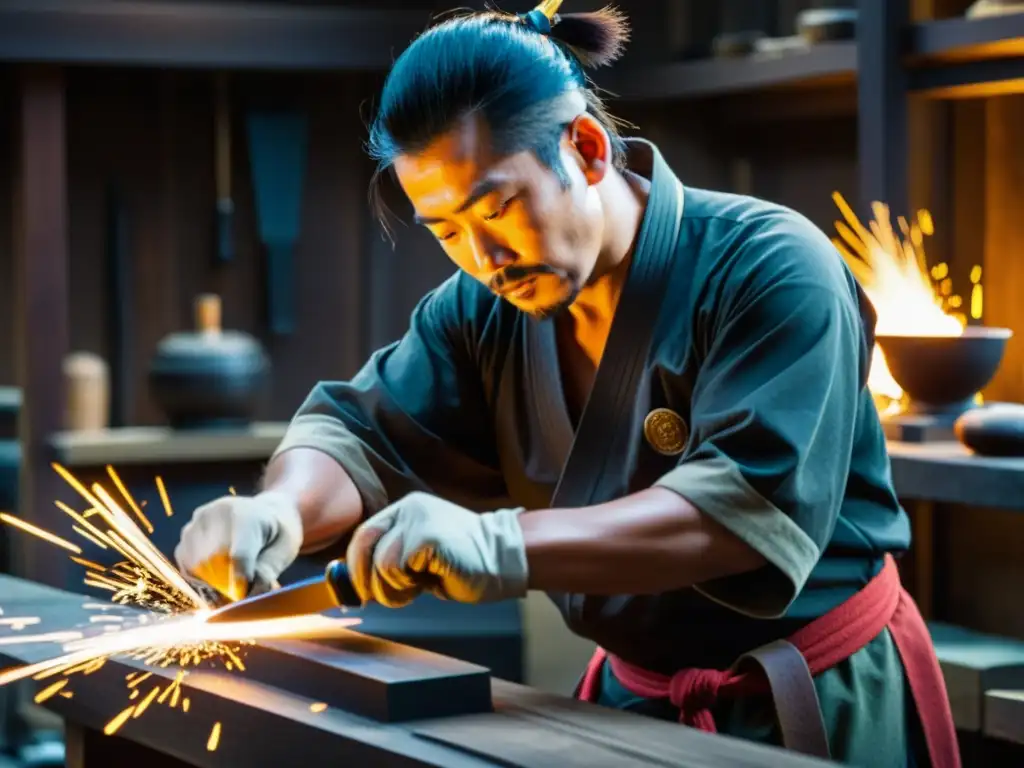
x: 825, y: 642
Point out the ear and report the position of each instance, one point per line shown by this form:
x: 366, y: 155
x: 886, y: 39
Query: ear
x: 592, y: 146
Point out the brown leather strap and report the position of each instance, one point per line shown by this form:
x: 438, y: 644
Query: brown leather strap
x: 795, y: 697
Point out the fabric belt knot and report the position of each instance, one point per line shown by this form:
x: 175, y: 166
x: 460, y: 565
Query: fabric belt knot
x: 695, y: 692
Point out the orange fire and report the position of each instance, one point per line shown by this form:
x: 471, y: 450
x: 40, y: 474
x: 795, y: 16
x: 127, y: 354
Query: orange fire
x: 909, y: 298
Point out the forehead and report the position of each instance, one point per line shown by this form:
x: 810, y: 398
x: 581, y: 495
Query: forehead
x: 442, y: 174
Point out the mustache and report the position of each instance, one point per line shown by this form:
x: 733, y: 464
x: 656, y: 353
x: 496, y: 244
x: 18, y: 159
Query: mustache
x: 518, y: 273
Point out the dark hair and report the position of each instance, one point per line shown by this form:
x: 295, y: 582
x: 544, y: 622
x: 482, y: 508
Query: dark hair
x: 499, y: 66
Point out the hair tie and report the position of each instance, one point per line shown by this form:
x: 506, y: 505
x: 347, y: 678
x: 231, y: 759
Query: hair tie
x: 543, y: 16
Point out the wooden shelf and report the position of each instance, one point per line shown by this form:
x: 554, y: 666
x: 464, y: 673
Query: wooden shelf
x: 161, y: 33
x: 946, y: 472
x: 967, y: 58
x: 820, y: 65
x: 160, y: 445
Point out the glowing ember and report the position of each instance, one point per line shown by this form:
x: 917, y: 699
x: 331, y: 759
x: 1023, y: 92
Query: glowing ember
x: 174, y: 633
x: 214, y: 739
x: 909, y: 298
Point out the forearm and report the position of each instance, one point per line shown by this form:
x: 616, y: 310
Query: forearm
x: 323, y: 491
x: 649, y: 542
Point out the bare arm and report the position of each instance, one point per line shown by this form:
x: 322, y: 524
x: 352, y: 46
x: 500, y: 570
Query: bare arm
x: 325, y: 495
x: 648, y: 542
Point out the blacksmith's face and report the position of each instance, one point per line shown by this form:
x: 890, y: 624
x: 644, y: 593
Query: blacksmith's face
x: 509, y: 221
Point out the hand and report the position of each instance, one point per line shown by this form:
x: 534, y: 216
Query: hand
x: 423, y: 543
x: 240, y: 545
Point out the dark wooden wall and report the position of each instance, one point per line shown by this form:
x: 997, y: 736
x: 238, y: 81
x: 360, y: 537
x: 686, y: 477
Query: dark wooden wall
x: 150, y: 136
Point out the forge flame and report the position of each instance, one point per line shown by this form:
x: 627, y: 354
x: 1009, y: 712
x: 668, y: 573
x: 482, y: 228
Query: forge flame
x: 910, y: 298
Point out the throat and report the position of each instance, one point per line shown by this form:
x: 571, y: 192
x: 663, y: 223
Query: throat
x: 580, y: 347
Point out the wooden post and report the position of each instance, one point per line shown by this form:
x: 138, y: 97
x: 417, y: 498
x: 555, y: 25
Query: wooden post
x: 41, y: 313
x: 882, y: 105
x: 1003, y: 270
x: 922, y: 520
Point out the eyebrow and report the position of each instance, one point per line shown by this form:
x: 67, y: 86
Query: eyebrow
x: 480, y: 191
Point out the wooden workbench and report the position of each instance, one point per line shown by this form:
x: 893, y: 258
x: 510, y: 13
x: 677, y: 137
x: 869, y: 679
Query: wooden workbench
x: 264, y: 726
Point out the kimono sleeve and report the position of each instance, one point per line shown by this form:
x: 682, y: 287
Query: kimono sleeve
x: 773, y: 419
x: 415, y: 417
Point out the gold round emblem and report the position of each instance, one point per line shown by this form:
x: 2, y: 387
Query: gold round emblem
x: 666, y: 431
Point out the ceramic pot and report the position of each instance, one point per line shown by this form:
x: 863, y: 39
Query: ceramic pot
x: 209, y: 378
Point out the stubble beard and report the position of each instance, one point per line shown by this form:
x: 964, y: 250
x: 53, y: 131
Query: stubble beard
x: 518, y: 273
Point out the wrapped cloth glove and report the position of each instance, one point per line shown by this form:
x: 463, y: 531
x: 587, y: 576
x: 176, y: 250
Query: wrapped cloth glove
x: 425, y: 544
x: 240, y: 545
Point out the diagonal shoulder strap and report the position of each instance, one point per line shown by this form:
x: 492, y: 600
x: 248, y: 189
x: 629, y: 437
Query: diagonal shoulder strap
x: 794, y: 696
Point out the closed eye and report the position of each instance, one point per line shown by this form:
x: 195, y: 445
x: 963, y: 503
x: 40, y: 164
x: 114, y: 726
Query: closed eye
x: 501, y: 210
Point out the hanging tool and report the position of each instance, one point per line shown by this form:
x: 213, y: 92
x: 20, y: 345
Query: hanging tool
x: 119, y: 304
x: 332, y: 590
x: 224, y: 241
x: 277, y: 151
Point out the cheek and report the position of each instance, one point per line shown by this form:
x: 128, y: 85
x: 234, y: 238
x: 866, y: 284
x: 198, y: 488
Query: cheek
x: 462, y: 257
x: 570, y: 225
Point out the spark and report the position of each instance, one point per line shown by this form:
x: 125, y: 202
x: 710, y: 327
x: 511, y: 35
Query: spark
x: 115, y: 724
x: 214, y: 740
x: 128, y: 497
x: 44, y: 535
x: 50, y: 691
x: 172, y: 635
x: 318, y: 707
x: 164, y: 498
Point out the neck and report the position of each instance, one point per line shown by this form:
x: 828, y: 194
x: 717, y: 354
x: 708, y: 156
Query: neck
x: 595, y: 305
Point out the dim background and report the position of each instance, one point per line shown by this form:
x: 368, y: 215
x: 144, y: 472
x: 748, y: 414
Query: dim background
x: 149, y: 134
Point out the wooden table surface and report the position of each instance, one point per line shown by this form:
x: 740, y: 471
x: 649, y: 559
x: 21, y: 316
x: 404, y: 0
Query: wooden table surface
x: 265, y: 726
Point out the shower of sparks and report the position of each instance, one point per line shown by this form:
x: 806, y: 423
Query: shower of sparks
x: 174, y: 634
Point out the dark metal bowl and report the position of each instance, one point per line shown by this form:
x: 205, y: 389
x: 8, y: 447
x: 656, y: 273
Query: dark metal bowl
x: 941, y: 373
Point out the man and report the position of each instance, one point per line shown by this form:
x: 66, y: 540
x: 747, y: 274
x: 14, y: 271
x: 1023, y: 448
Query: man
x: 647, y: 400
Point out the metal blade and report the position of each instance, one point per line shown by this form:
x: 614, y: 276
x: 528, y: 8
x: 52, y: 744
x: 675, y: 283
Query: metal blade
x: 309, y: 596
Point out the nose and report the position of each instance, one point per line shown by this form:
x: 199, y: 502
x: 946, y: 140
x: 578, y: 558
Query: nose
x: 489, y: 255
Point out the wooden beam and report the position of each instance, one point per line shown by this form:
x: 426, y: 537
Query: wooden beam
x: 375, y: 678
x: 41, y: 316
x: 960, y: 39
x: 159, y: 33
x: 825, y: 64
x: 882, y: 104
